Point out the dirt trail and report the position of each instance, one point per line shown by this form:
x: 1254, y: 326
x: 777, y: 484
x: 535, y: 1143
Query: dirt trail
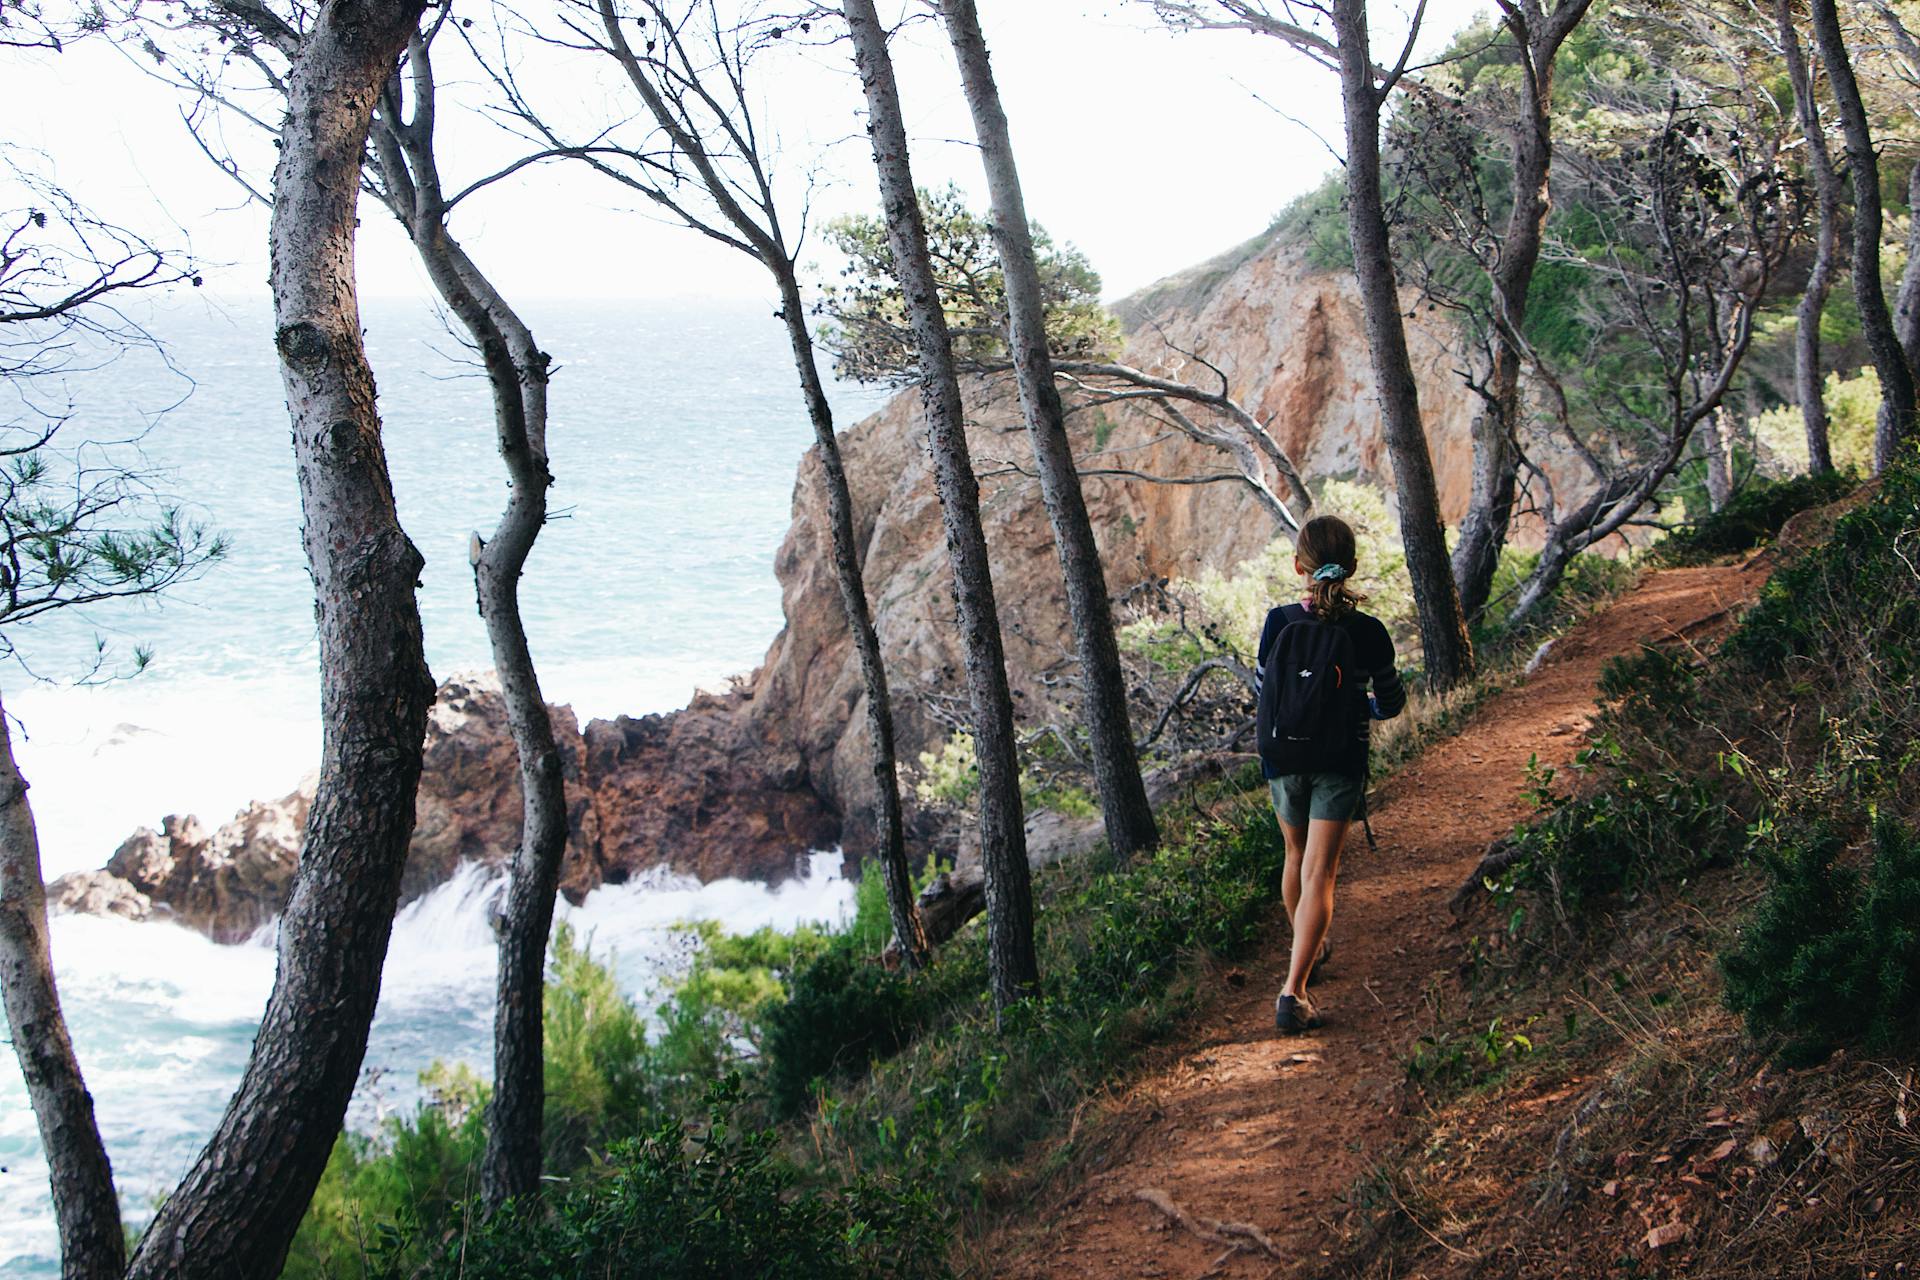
x: 1242, y: 1126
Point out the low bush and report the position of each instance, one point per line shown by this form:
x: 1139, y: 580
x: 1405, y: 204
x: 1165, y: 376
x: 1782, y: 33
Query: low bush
x: 1612, y: 843
x: 1833, y: 956
x: 1121, y: 952
x: 841, y: 1011
x: 706, y: 1200
x: 1751, y: 517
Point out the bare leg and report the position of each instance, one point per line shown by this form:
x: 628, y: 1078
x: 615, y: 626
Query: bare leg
x: 1319, y: 865
x: 1296, y: 839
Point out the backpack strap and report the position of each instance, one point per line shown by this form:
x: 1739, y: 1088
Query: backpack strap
x: 1365, y: 825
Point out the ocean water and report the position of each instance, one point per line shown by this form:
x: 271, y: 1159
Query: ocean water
x: 675, y: 432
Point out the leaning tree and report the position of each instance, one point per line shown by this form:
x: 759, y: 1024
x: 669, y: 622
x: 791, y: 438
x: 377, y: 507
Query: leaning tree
x: 259, y: 40
x: 237, y: 1208
x: 703, y: 154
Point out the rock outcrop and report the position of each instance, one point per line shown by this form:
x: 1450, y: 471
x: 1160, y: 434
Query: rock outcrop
x: 742, y: 783
x: 634, y: 788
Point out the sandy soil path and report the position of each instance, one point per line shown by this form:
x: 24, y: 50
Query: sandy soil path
x: 1239, y: 1125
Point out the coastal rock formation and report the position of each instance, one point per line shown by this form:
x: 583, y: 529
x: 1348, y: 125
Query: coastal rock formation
x: 633, y: 787
x: 743, y: 783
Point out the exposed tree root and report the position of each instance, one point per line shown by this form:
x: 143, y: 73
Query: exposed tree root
x: 1235, y: 1235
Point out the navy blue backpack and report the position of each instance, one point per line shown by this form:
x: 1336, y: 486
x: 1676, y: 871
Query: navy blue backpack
x: 1312, y: 693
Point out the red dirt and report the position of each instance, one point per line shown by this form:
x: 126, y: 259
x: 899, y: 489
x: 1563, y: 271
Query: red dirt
x: 1243, y: 1126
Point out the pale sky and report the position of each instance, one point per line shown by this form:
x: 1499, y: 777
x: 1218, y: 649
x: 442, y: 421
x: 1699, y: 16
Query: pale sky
x: 1148, y: 150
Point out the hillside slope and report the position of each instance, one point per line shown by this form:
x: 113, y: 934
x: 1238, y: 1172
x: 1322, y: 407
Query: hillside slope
x: 1240, y: 1126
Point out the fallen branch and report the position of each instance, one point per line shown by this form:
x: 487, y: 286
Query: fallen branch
x: 1235, y: 1235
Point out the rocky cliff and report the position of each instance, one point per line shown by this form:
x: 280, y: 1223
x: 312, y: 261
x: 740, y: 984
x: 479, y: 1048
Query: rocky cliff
x: 741, y: 783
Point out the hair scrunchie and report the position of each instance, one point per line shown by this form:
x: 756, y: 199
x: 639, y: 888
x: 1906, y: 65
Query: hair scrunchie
x: 1331, y: 572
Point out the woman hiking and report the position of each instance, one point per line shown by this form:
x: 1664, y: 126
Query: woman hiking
x: 1316, y: 659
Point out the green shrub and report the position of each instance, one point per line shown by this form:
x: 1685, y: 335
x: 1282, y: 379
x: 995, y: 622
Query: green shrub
x: 382, y: 1193
x: 1857, y: 584
x: 1642, y: 827
x: 600, y: 1081
x: 1751, y: 517
x: 1853, y: 408
x: 711, y: 1200
x: 841, y: 1012
x: 1829, y: 959
x: 1122, y: 949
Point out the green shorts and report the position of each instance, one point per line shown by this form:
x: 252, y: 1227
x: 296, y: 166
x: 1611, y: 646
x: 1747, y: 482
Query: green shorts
x: 1331, y: 797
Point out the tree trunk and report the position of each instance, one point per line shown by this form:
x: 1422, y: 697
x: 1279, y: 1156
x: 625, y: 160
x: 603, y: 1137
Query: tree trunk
x: 1496, y: 474
x: 1496, y: 459
x: 1012, y: 967
x: 1906, y: 301
x: 236, y: 1211
x: 1443, y: 629
x: 1896, y: 375
x: 92, y: 1244
x: 516, y: 372
x: 1717, y: 444
x: 1807, y: 382
x: 765, y: 241
x: 1116, y: 766
x: 907, y: 927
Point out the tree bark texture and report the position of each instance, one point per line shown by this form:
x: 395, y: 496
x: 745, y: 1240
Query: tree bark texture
x: 1808, y: 384
x: 85, y: 1206
x: 1012, y: 967
x: 235, y: 1212
x: 1496, y: 458
x: 1876, y: 323
x: 1103, y: 706
x: 1717, y: 443
x: 516, y: 370
x: 1906, y: 300
x: 1443, y: 628
x: 908, y: 930
x: 767, y: 243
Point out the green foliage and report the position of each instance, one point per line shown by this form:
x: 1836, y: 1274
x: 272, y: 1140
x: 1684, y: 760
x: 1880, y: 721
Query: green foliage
x: 1451, y: 1061
x: 1223, y: 612
x: 949, y: 776
x: 866, y: 320
x: 1830, y: 958
x: 1117, y: 948
x: 1318, y: 220
x: 949, y: 779
x: 599, y: 1078
x: 76, y: 530
x: 840, y: 1013
x: 1751, y: 516
x: 708, y: 1200
x: 1859, y: 583
x: 1853, y: 408
x: 1579, y: 851
x: 380, y: 1192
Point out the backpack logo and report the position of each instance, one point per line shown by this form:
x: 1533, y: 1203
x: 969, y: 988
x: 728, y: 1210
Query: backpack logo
x: 1304, y: 674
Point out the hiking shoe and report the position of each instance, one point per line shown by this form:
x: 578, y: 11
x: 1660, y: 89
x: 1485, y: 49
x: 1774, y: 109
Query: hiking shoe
x: 1294, y: 1014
